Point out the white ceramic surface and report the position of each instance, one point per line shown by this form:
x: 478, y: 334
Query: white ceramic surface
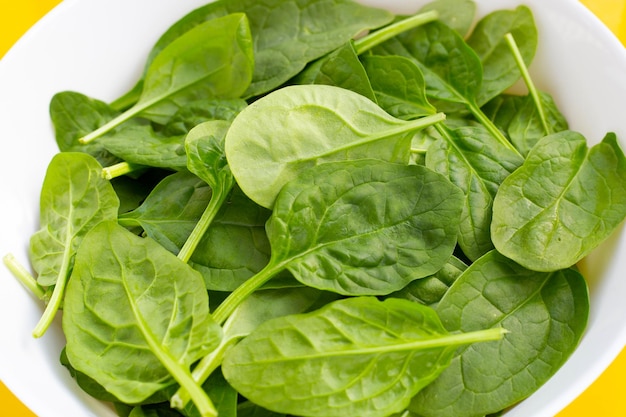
x: 98, y: 47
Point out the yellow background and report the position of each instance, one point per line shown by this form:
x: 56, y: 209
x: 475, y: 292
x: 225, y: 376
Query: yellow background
x: 606, y: 397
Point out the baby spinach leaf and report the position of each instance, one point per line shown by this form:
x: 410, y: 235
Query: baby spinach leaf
x: 500, y: 70
x: 141, y: 145
x: 457, y: 14
x: 353, y: 357
x: 545, y: 314
x: 212, y: 60
x: 136, y: 317
x: 74, y: 198
x: 74, y: 115
x: 260, y: 307
x: 430, y: 290
x: 403, y: 225
x: 201, y: 111
x: 305, y: 125
x: 452, y: 70
x: 519, y: 118
x: 398, y: 85
x: 286, y: 34
x: 477, y: 163
x: 403, y: 222
x: 204, y: 146
x: 561, y: 203
x: 341, y: 68
x: 171, y: 211
x: 235, y: 246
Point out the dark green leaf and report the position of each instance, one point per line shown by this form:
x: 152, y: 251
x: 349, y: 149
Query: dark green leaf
x: 545, y: 314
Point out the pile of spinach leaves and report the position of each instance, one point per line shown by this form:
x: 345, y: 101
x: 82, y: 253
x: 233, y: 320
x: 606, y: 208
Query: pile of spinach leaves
x: 287, y: 217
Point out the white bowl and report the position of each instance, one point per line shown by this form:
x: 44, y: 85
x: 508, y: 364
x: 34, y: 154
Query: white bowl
x: 98, y: 47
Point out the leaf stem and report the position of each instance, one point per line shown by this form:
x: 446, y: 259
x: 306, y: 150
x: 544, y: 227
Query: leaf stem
x: 201, y: 372
x: 373, y: 39
x: 532, y: 90
x: 216, y: 202
x: 23, y: 276
x: 224, y: 310
x: 119, y: 169
x: 491, y: 127
x: 407, y: 126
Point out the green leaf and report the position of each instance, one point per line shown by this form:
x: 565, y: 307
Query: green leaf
x: 353, y: 357
x: 364, y: 227
x: 340, y: 68
x: 129, y: 297
x: 457, y: 14
x: 399, y: 86
x: 561, y: 203
x: 74, y: 115
x: 74, y: 198
x: 171, y: 211
x: 429, y: 290
x: 500, y: 70
x: 201, y: 111
x: 286, y: 34
x: 141, y: 145
x: 477, y: 163
x: 305, y: 125
x: 212, y: 60
x: 545, y: 314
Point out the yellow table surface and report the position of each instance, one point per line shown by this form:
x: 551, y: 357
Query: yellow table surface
x: 606, y: 397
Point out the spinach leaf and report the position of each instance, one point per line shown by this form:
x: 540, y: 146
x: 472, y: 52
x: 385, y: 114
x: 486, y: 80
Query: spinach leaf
x: 74, y: 115
x: 500, y: 69
x: 74, y: 198
x: 250, y: 409
x: 364, y: 227
x: 129, y: 297
x: 452, y: 70
x: 204, y: 146
x: 398, y: 85
x: 355, y: 357
x: 235, y: 246
x: 430, y: 290
x: 141, y: 145
x: 201, y: 111
x: 286, y: 35
x: 171, y: 211
x: 545, y: 314
x: 519, y: 118
x: 341, y: 68
x: 305, y: 125
x: 561, y: 203
x: 477, y: 163
x: 457, y: 14
x: 260, y: 307
x: 212, y: 60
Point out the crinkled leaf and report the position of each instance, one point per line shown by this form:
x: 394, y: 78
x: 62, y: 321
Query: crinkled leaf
x: 561, y: 203
x: 341, y: 68
x: 74, y: 198
x: 129, y: 297
x: 398, y: 85
x: 201, y: 111
x: 141, y: 145
x: 477, y: 163
x: 545, y: 314
x: 74, y: 115
x: 353, y: 357
x: 170, y: 212
x: 429, y: 290
x: 364, y: 227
